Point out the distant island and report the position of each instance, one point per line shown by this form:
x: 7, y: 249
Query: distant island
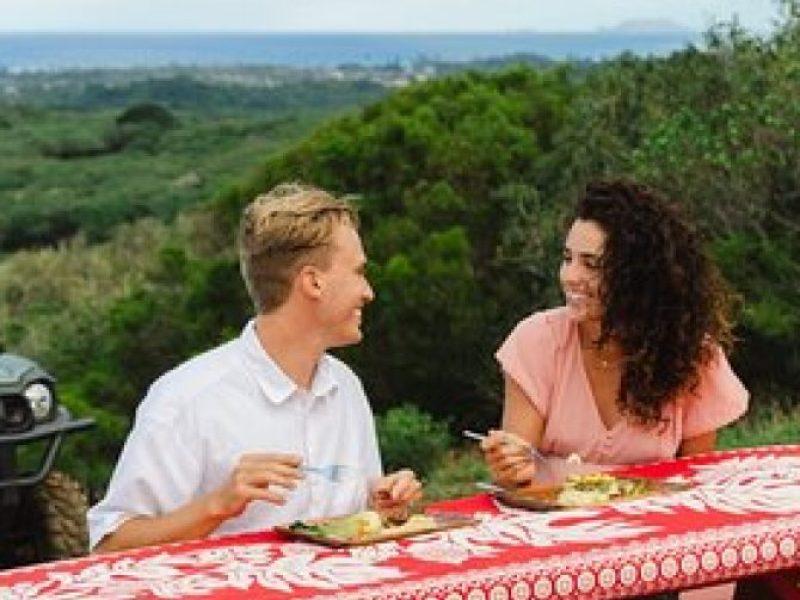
x: 647, y: 26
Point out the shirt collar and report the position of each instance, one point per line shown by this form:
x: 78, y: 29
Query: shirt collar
x: 277, y: 386
x: 324, y: 383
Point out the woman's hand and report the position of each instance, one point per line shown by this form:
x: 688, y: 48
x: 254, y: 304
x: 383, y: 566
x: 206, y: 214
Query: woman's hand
x: 507, y: 451
x: 509, y: 458
x: 392, y: 494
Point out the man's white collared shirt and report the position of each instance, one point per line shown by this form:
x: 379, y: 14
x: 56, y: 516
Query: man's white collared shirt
x: 198, y: 419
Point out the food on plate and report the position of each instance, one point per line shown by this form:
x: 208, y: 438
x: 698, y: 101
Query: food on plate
x: 356, y: 526
x: 363, y: 526
x: 415, y: 523
x: 600, y: 488
x: 582, y: 490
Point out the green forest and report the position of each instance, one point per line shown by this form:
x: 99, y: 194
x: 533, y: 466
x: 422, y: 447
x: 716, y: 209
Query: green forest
x: 120, y: 211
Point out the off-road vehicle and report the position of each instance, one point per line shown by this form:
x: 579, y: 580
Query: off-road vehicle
x: 42, y: 511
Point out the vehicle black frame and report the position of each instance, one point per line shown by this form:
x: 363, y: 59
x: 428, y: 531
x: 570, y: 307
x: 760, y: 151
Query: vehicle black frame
x: 37, y: 503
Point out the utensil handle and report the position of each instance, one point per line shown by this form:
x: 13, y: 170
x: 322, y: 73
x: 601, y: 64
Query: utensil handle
x: 489, y: 487
x: 529, y: 447
x: 473, y: 435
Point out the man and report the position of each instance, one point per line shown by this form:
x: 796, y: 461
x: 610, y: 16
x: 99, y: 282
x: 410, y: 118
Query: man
x: 221, y: 443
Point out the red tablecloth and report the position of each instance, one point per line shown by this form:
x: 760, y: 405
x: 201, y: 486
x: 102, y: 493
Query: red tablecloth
x: 741, y: 517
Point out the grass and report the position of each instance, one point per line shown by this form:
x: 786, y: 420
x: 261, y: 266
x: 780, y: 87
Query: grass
x: 766, y: 424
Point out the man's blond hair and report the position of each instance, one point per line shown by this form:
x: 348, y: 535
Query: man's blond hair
x: 283, y: 230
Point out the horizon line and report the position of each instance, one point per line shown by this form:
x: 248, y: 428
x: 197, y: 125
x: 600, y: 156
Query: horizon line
x: 516, y: 31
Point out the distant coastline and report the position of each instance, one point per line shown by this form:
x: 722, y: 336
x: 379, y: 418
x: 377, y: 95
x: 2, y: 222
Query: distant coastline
x: 648, y: 26
x: 58, y: 51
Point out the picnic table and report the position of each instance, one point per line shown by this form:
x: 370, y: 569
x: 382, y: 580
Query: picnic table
x: 738, y: 517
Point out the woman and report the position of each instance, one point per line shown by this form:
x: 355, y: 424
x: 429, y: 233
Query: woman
x: 632, y: 369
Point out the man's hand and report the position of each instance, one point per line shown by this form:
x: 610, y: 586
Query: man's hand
x: 392, y: 494
x: 508, y: 458
x: 256, y: 477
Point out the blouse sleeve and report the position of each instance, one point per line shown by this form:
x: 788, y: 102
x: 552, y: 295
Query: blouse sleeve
x: 527, y: 355
x: 720, y: 399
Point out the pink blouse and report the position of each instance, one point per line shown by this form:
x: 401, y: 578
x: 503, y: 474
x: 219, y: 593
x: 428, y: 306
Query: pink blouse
x: 542, y: 355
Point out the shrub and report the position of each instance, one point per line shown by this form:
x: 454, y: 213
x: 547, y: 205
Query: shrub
x: 410, y: 438
x: 90, y: 455
x: 147, y: 112
x: 456, y: 476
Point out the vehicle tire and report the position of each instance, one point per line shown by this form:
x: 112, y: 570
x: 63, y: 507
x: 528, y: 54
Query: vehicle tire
x: 62, y: 506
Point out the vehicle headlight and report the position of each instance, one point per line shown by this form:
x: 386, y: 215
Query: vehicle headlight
x: 40, y: 398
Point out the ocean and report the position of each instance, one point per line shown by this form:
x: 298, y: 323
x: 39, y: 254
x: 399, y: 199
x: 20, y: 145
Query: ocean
x: 56, y: 51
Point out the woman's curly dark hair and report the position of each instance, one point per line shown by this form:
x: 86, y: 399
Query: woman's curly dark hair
x: 664, y: 301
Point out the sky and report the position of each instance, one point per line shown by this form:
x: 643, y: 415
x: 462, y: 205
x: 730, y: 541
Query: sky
x: 372, y: 15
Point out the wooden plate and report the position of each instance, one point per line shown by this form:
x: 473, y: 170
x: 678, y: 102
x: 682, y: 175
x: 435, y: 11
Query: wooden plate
x: 545, y: 498
x: 435, y: 522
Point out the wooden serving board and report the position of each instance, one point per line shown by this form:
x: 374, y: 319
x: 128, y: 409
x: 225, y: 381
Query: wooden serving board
x: 438, y: 522
x: 545, y: 498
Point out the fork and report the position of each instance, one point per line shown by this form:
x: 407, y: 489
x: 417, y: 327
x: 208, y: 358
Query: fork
x: 333, y: 472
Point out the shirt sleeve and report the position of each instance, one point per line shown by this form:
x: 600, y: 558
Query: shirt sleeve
x: 720, y: 398
x: 527, y: 356
x: 158, y: 471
